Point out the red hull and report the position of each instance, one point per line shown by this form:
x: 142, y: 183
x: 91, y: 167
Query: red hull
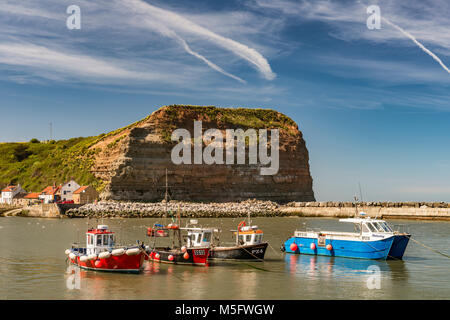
x: 123, y: 263
x: 195, y: 256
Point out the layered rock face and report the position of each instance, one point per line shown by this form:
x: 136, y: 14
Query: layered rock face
x: 132, y: 161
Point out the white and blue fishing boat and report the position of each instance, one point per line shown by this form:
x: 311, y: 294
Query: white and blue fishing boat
x: 373, y: 239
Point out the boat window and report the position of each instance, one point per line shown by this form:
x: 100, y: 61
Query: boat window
x: 377, y: 225
x: 105, y: 239
x: 241, y: 239
x: 248, y: 238
x: 111, y: 240
x: 383, y: 225
x: 371, y: 227
x: 364, y: 227
x: 207, y: 237
x: 99, y: 240
x: 387, y: 227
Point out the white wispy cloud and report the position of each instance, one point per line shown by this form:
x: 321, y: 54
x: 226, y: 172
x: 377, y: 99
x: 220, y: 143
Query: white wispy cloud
x: 164, y: 21
x: 42, y: 25
x: 425, y: 20
x: 59, y: 64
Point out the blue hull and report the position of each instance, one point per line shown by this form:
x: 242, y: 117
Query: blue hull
x: 343, y: 248
x: 399, y: 246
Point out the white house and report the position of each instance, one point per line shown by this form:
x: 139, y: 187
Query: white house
x: 67, y: 189
x: 49, y: 194
x: 9, y: 193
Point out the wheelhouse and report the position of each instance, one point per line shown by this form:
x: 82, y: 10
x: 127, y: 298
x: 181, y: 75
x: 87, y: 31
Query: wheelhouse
x: 369, y: 226
x: 250, y: 235
x: 198, y: 237
x: 99, y: 240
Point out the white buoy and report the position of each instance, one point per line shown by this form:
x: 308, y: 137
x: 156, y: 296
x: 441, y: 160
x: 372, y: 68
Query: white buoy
x: 72, y: 256
x: 104, y: 255
x: 183, y: 249
x: 84, y: 258
x: 68, y: 251
x: 118, y: 252
x: 132, y: 252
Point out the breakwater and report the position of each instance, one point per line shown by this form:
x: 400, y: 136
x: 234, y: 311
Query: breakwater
x: 412, y: 210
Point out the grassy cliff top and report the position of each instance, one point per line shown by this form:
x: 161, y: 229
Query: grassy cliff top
x: 239, y: 117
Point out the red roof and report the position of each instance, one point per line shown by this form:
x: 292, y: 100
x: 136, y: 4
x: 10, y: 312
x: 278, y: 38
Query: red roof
x: 80, y: 189
x: 32, y: 195
x: 9, y: 189
x: 50, y: 190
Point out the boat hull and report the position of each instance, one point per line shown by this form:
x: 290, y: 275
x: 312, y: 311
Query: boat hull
x: 399, y: 246
x: 195, y: 256
x: 123, y: 263
x: 377, y: 249
x: 251, y: 252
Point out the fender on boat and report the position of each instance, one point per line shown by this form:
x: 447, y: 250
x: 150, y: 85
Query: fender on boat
x: 72, y: 256
x: 118, y: 252
x: 84, y: 258
x: 68, y: 251
x: 104, y: 255
x: 132, y: 252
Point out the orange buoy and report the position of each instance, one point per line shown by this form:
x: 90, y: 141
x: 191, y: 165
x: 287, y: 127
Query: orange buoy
x: 186, y: 255
x: 98, y: 263
x: 170, y: 258
x: 329, y: 247
x: 313, y: 246
x: 293, y: 247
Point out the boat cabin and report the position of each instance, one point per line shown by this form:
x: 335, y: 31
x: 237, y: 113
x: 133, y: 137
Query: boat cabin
x: 99, y: 240
x: 249, y: 235
x: 369, y: 225
x: 198, y: 237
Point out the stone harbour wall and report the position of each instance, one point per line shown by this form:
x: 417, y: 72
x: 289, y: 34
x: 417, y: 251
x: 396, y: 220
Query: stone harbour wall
x: 387, y: 210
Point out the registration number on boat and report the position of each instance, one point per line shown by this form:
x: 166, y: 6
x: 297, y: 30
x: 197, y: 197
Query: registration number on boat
x: 199, y: 252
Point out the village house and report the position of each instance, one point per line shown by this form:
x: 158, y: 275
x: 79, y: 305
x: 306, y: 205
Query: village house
x: 49, y: 194
x: 85, y: 194
x: 10, y: 192
x: 65, y: 192
x: 32, y: 198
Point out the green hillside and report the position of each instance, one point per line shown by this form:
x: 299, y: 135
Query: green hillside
x: 36, y: 165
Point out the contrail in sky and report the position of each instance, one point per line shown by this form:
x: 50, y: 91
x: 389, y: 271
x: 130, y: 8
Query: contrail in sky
x: 421, y: 46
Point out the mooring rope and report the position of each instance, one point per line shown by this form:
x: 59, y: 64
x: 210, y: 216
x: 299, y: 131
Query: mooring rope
x: 278, y: 253
x: 429, y: 248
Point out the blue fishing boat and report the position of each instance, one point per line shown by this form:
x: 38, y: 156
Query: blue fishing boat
x: 373, y: 239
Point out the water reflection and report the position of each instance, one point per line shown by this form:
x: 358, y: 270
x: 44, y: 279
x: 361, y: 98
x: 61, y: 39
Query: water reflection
x: 315, y: 266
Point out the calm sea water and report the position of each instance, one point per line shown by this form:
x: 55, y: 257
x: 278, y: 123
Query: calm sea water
x: 33, y: 266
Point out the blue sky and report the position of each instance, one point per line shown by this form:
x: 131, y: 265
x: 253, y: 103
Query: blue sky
x: 373, y: 105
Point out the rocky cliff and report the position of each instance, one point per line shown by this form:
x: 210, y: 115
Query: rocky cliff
x: 132, y: 162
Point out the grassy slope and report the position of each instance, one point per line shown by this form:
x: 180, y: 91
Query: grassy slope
x: 37, y: 165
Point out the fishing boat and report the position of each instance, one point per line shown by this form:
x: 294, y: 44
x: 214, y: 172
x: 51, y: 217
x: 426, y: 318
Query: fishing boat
x: 373, y: 239
x: 101, y: 254
x: 249, y: 244
x: 193, y: 251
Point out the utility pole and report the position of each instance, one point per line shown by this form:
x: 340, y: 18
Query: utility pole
x: 51, y: 131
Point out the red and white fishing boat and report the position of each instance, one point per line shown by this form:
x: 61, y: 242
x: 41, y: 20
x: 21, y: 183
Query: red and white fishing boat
x: 101, y: 254
x: 194, y: 252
